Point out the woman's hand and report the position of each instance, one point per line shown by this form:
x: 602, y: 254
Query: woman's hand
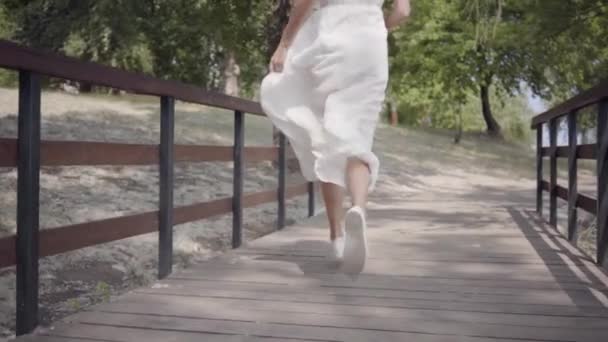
x: 299, y: 12
x: 278, y: 59
x: 400, y: 11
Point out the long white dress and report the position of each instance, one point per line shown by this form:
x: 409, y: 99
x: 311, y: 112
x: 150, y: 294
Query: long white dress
x: 328, y: 98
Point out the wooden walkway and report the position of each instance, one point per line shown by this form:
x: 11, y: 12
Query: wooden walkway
x: 440, y: 271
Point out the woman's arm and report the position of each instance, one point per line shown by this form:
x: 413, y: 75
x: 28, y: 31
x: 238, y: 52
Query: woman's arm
x: 299, y: 12
x: 399, y: 13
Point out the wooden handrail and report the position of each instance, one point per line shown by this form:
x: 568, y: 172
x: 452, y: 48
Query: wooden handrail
x: 582, y: 100
x: 574, y: 152
x: 73, y: 237
x: 28, y: 153
x: 16, y: 57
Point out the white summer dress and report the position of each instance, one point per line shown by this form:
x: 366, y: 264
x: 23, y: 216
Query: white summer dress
x: 328, y: 98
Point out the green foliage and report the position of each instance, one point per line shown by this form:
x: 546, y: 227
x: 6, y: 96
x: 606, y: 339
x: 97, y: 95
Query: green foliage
x: 440, y: 61
x: 451, y: 49
x: 103, y: 290
x: 187, y: 40
x: 7, y: 27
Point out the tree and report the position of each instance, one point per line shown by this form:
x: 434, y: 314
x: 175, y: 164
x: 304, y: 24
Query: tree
x: 499, y: 46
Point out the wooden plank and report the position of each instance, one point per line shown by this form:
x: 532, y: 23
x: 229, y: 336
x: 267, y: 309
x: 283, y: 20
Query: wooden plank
x: 255, y: 199
x: 8, y: 152
x: 199, y: 211
x: 296, y: 190
x: 561, y: 192
x: 587, y: 151
x: 334, y: 329
x: 47, y: 338
x: 583, y: 201
x: 587, y: 203
x: 494, y: 279
x: 143, y: 303
x: 546, y: 186
x: 72, y: 153
x: 498, y: 305
x: 338, y: 319
x: 218, y: 288
x: 86, y: 153
x: 100, y: 332
x: 60, y: 240
x: 584, y: 99
x: 196, y: 153
x: 8, y: 254
x: 193, y: 153
x: 18, y: 57
x: 258, y: 154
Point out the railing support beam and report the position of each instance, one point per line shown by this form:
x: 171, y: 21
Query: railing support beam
x: 602, y: 183
x: 28, y: 196
x: 572, y: 177
x: 553, y: 124
x: 237, y: 180
x: 166, y: 168
x: 282, y: 181
x: 311, y: 199
x: 539, y: 170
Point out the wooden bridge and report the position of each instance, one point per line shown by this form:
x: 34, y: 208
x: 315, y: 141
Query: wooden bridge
x: 444, y: 266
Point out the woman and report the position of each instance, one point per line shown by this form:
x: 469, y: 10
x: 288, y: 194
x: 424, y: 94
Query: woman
x: 324, y: 92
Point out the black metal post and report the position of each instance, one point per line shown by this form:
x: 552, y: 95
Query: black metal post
x: 539, y: 170
x: 553, y: 166
x: 237, y: 196
x: 28, y: 196
x: 572, y: 177
x: 311, y: 199
x: 282, y: 178
x: 166, y: 168
x: 602, y: 183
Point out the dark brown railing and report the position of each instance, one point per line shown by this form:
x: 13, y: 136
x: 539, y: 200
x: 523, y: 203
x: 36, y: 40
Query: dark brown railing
x: 28, y: 153
x: 597, y: 96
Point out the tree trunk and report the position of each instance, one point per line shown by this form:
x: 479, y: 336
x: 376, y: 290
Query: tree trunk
x: 394, y: 119
x: 492, y: 125
x: 231, y: 76
x: 458, y: 136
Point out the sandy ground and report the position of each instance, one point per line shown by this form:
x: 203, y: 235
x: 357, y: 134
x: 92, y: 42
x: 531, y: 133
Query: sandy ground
x: 412, y: 162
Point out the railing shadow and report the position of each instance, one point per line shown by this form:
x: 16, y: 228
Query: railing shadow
x: 551, y: 246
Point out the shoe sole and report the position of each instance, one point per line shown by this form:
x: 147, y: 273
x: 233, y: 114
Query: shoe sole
x: 355, y: 247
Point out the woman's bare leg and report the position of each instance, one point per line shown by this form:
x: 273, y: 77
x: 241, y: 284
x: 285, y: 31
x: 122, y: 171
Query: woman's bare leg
x: 355, y: 246
x: 333, y: 195
x: 357, y: 180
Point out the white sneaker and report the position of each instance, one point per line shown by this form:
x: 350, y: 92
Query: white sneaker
x: 337, y: 247
x: 355, y: 244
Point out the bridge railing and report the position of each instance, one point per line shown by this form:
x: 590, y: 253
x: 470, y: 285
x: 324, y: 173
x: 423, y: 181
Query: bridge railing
x: 596, y: 99
x: 28, y: 153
